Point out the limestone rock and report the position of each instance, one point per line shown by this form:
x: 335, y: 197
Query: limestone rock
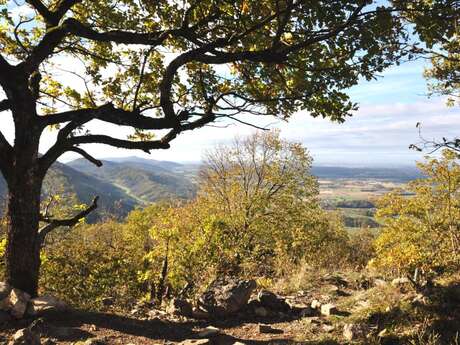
x: 273, y: 302
x: 43, y: 304
x: 16, y: 303
x: 209, y: 331
x: 315, y: 304
x: 25, y: 337
x: 196, y: 342
x: 328, y: 309
x: 226, y: 296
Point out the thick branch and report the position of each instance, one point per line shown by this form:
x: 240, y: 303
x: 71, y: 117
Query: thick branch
x: 6, y: 152
x: 108, y: 113
x: 70, y: 222
x: 43, y: 11
x: 4, y: 105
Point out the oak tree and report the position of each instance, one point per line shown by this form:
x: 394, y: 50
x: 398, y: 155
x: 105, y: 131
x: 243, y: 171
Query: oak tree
x: 165, y: 66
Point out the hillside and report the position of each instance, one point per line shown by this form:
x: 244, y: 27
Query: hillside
x: 144, y: 180
x: 62, y: 178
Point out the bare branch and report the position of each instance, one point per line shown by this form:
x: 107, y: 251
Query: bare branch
x: 86, y: 155
x: 70, y: 222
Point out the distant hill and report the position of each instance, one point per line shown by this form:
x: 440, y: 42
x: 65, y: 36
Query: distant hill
x: 404, y: 174
x: 144, y: 180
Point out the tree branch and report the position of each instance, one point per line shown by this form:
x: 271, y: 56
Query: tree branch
x: 87, y: 156
x: 4, y: 105
x: 70, y: 222
x: 108, y: 113
x: 43, y: 11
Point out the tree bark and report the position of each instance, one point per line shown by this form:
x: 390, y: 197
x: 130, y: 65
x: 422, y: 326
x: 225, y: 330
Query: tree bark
x: 23, y: 245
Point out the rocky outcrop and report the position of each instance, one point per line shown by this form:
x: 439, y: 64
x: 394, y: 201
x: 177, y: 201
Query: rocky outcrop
x: 226, y: 296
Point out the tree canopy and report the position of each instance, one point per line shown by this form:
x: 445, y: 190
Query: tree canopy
x: 180, y: 65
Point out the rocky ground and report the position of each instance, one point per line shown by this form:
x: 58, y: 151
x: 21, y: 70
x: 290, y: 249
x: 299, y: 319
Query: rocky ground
x: 337, y: 309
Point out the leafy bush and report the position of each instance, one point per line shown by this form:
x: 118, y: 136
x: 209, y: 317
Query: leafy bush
x: 421, y: 231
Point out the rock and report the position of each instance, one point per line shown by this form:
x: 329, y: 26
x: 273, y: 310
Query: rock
x: 25, y: 337
x: 307, y: 311
x: 107, y: 301
x: 380, y: 283
x: 261, y: 311
x: 226, y: 296
x: 195, y: 342
x: 209, y: 331
x: 180, y: 307
x: 16, y: 303
x: 312, y: 320
x: 328, y: 328
x: 328, y: 309
x: 315, y: 304
x: 43, y: 304
x: 400, y: 281
x: 5, y: 317
x: 349, y: 331
x: 273, y: 302
x: 269, y: 329
x: 5, y: 290
x: 197, y: 313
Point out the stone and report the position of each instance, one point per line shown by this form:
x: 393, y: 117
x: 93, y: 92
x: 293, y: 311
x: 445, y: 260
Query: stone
x: 197, y: 313
x: 25, y: 337
x: 108, y: 301
x: 307, y: 311
x: 195, y: 342
x: 328, y: 309
x: 5, y: 317
x: 380, y: 283
x: 180, y: 307
x: 273, y: 302
x: 16, y: 303
x: 350, y: 331
x: 226, y: 296
x: 44, y: 304
x: 209, y: 331
x: 312, y: 320
x: 328, y: 328
x: 261, y: 311
x: 269, y: 329
x: 5, y: 290
x: 315, y: 304
x: 400, y: 281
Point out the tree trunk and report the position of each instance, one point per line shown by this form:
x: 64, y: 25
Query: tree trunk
x: 23, y: 247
